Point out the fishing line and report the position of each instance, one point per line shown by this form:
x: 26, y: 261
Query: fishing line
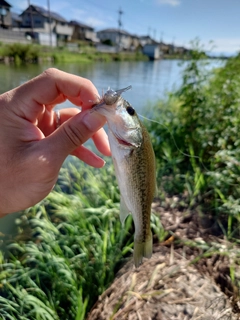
x: 175, y: 143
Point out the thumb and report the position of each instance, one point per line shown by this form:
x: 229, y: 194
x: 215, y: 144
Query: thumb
x: 73, y: 133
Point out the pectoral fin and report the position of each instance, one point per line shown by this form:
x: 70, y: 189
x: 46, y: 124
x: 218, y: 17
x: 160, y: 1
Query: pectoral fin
x: 124, y: 212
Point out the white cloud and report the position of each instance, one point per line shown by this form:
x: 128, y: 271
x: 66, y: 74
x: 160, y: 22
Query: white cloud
x: 77, y: 14
x: 172, y: 3
x: 92, y: 21
x: 227, y: 45
x: 59, y: 6
x: 84, y: 17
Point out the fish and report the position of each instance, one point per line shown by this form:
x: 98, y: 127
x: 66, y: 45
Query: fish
x: 134, y: 164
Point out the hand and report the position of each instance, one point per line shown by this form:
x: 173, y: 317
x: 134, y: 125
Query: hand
x: 32, y: 150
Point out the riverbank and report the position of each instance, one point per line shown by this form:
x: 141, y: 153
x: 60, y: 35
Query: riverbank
x: 22, y: 53
x: 32, y: 53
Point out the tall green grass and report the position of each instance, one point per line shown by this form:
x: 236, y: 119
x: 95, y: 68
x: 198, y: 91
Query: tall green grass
x: 33, y: 53
x: 67, y: 249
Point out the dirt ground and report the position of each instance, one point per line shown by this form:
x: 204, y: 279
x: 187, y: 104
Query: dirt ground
x: 188, y: 277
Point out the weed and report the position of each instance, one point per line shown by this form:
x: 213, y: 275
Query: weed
x: 67, y: 249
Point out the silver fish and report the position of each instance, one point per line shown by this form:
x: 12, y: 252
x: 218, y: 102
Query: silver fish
x: 134, y: 163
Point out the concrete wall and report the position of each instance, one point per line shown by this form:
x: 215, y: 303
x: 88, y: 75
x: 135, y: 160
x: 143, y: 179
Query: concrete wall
x: 9, y: 36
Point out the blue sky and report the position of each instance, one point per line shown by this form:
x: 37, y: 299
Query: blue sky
x: 175, y: 21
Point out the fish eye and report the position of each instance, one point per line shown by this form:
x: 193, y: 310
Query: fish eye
x: 130, y: 110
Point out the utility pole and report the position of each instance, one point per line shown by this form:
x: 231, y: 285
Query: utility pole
x: 149, y: 31
x: 31, y: 18
x: 120, y: 12
x: 154, y: 34
x: 161, y: 37
x: 49, y: 21
x: 173, y: 49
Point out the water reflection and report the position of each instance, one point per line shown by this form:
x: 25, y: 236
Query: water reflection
x: 150, y: 80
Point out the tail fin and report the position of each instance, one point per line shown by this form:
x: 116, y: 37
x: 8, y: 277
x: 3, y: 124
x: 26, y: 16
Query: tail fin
x: 142, y: 249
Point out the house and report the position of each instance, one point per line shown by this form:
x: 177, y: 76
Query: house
x: 7, y: 35
x: 135, y: 42
x: 5, y: 14
x: 164, y: 47
x: 181, y: 50
x: 120, y: 38
x: 83, y: 32
x: 143, y: 40
x: 16, y: 21
x: 49, y: 25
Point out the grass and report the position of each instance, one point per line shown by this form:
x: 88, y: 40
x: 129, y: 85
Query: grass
x: 66, y: 249
x: 33, y: 53
x: 75, y: 240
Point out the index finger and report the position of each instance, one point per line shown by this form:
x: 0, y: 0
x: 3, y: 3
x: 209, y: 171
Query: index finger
x: 49, y: 88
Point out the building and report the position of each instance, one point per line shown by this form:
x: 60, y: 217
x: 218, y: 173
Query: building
x: 135, y: 42
x: 181, y: 50
x: 143, y: 40
x: 82, y: 31
x: 16, y: 21
x: 47, y: 24
x: 7, y: 34
x: 165, y: 48
x: 120, y: 38
x: 5, y: 15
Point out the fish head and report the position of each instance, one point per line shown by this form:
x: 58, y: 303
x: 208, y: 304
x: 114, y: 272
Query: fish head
x: 122, y: 119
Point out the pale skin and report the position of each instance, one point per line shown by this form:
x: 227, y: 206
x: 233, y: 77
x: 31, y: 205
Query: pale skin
x: 32, y: 150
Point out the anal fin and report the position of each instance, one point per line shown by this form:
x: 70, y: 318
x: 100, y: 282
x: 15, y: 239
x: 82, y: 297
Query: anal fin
x: 124, y: 212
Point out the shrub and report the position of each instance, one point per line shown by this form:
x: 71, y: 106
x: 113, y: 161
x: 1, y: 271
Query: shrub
x: 22, y: 52
x: 197, y: 140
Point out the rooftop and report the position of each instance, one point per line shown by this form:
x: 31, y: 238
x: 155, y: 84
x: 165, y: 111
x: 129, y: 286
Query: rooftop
x: 80, y: 24
x: 4, y: 3
x: 46, y: 13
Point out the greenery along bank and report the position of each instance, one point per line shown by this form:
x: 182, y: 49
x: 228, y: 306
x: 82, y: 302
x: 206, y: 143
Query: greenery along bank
x: 66, y: 250
x: 33, y: 53
x: 197, y: 142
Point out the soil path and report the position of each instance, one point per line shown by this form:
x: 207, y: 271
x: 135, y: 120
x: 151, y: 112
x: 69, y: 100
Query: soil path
x: 188, y: 276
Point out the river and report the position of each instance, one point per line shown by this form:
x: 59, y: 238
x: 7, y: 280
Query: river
x: 150, y: 80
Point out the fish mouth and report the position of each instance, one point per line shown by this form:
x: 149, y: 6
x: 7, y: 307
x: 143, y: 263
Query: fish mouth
x: 124, y: 143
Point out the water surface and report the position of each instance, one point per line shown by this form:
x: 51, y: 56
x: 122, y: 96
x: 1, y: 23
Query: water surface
x: 150, y: 80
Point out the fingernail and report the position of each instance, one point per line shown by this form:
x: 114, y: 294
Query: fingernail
x: 93, y: 120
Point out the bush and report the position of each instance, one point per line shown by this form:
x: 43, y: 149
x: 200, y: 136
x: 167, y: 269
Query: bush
x: 197, y: 140
x: 22, y: 52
